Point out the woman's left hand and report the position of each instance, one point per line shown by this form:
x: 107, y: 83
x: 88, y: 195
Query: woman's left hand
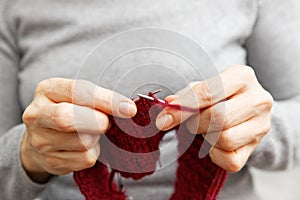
x: 234, y: 118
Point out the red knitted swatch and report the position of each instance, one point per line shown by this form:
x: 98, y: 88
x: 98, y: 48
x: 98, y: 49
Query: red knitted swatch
x: 197, y: 178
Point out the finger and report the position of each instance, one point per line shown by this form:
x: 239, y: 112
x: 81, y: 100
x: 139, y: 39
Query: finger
x: 67, y: 117
x: 205, y: 94
x: 52, y: 140
x: 170, y: 98
x: 222, y: 116
x: 85, y: 93
x: 251, y: 131
x: 232, y: 161
x: 68, y: 161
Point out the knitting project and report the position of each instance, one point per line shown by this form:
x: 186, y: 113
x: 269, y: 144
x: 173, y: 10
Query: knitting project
x: 196, y: 178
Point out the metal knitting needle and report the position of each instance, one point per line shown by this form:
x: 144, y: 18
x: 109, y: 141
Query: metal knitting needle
x: 175, y: 106
x: 120, y: 182
x: 147, y: 97
x: 150, y: 98
x: 157, y: 91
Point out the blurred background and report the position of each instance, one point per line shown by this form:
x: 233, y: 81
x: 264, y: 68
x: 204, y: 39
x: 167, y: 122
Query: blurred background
x: 278, y: 185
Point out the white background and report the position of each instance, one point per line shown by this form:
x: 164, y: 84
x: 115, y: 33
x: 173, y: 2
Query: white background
x: 278, y: 185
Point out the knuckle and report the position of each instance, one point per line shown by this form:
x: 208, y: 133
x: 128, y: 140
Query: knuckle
x: 226, y: 141
x: 104, y: 123
x: 89, y: 160
x: 202, y: 91
x: 268, y: 125
x: 78, y: 87
x: 263, y: 102
x: 248, y: 72
x: 30, y: 114
x: 107, y: 99
x: 218, y: 119
x: 242, y: 84
x: 69, y: 90
x: 265, y: 128
x: 42, y: 86
x: 63, y: 118
x: 49, y: 86
x: 37, y: 143
x: 261, y: 132
x: 234, y: 164
x: 57, y: 165
x: 53, y: 163
x: 268, y: 100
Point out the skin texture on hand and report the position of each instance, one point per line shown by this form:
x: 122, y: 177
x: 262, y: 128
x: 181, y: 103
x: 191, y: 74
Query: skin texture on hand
x: 58, y: 142
x: 244, y: 121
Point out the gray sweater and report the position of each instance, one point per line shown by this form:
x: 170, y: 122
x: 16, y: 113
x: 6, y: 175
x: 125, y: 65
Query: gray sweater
x: 41, y: 39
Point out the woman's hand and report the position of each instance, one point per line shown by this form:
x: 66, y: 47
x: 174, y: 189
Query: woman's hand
x: 64, y: 123
x: 234, y: 119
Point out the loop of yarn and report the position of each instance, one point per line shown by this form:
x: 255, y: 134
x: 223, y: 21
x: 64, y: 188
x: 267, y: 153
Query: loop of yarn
x: 196, y: 178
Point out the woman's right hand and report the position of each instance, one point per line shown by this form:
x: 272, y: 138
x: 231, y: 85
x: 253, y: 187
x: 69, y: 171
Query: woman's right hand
x: 64, y: 123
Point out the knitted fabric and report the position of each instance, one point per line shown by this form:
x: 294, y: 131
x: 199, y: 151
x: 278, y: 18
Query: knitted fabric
x: 136, y: 135
x: 196, y: 178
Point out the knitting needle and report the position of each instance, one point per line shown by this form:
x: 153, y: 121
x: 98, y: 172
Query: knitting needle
x: 157, y: 91
x: 140, y: 95
x: 175, y: 106
x: 150, y: 98
x: 120, y: 182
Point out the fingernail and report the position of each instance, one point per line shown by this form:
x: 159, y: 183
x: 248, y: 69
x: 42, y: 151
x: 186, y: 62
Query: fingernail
x: 127, y: 109
x: 164, y: 122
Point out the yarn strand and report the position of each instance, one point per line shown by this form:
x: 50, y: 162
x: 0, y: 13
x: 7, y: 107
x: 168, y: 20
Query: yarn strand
x: 166, y: 104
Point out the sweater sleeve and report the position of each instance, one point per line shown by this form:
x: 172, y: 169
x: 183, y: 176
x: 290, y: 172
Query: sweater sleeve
x: 274, y: 53
x: 14, y: 182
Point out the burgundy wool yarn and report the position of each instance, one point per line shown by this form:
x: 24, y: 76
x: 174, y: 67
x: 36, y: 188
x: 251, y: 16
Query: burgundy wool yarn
x: 196, y: 178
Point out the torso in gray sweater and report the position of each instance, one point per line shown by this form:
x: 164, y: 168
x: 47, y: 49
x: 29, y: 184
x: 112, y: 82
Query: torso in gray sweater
x: 41, y: 39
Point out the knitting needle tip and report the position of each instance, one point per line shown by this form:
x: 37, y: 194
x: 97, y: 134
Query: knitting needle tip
x: 150, y: 98
x: 157, y: 91
x: 146, y: 97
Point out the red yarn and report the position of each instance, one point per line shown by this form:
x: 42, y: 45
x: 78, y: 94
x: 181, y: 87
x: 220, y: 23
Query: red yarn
x: 136, y: 135
x: 197, y: 178
x: 173, y: 106
x: 94, y: 183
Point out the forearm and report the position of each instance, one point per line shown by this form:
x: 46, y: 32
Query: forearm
x: 280, y: 148
x: 14, y: 182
